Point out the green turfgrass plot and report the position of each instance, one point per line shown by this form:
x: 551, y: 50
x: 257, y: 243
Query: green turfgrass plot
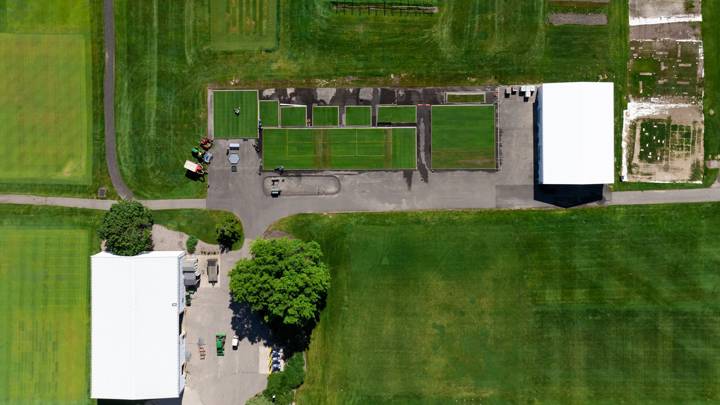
x: 325, y: 116
x: 243, y: 24
x: 270, y: 113
x: 615, y: 305
x: 358, y: 115
x: 44, y: 293
x: 463, y: 137
x: 226, y: 124
x: 340, y: 148
x: 293, y: 116
x: 466, y: 97
x: 396, y: 114
x: 45, y: 109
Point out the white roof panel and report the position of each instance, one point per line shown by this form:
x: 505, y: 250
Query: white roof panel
x: 577, y: 133
x: 136, y: 350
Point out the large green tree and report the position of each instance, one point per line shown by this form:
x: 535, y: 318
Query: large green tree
x: 127, y: 229
x: 285, y: 281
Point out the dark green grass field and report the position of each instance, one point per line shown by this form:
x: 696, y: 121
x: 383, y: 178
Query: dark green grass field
x: 226, y: 124
x: 51, y: 99
x: 358, y: 115
x: 270, y: 113
x: 45, y: 295
x: 463, y: 137
x: 339, y: 148
x: 293, y: 116
x: 243, y: 24
x: 325, y: 115
x: 612, y: 305
x: 165, y: 62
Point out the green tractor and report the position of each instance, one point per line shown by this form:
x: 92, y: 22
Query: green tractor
x: 220, y: 343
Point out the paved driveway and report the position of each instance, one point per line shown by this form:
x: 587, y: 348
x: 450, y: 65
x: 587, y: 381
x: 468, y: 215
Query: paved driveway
x: 237, y: 376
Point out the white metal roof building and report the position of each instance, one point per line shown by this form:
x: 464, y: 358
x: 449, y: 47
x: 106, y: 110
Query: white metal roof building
x: 576, y: 133
x: 138, y: 346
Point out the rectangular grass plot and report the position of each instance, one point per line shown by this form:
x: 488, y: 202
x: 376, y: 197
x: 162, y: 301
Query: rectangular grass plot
x: 293, y: 116
x: 325, y: 116
x: 397, y: 114
x: 235, y: 114
x: 358, y: 115
x: 270, y: 113
x: 463, y: 137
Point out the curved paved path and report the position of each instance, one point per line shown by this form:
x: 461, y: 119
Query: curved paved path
x: 109, y: 102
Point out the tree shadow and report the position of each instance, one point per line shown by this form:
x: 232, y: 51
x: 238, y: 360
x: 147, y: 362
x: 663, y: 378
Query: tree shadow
x: 247, y: 324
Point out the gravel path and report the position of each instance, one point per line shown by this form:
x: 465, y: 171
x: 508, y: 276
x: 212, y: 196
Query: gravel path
x: 109, y: 102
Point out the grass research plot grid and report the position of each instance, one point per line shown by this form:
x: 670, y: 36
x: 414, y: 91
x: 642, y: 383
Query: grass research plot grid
x: 235, y: 114
x: 44, y: 292
x: 463, y: 137
x: 241, y: 25
x: 340, y: 148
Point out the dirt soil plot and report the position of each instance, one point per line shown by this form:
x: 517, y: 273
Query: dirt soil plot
x: 577, y: 19
x: 663, y: 8
x: 666, y: 68
x: 664, y: 143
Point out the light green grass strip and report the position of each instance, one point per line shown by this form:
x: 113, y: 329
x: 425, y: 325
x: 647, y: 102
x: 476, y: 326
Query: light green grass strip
x: 396, y: 114
x: 358, y: 115
x: 45, y: 109
x: 44, y: 295
x: 270, y: 113
x: 226, y: 123
x: 325, y: 116
x: 293, y: 116
x: 463, y: 137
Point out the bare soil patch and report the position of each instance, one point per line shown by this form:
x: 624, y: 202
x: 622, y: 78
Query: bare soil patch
x: 663, y: 143
x: 577, y: 19
x: 664, y: 8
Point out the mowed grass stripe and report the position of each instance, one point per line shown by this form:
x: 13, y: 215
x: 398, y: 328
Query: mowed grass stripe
x: 44, y: 292
x: 612, y: 305
x: 45, y: 109
x: 339, y: 148
x: 243, y: 24
x: 463, y: 137
x: 226, y: 124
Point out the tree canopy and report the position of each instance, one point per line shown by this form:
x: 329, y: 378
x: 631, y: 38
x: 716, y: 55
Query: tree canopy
x: 285, y: 281
x: 127, y: 229
x: 228, y: 232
